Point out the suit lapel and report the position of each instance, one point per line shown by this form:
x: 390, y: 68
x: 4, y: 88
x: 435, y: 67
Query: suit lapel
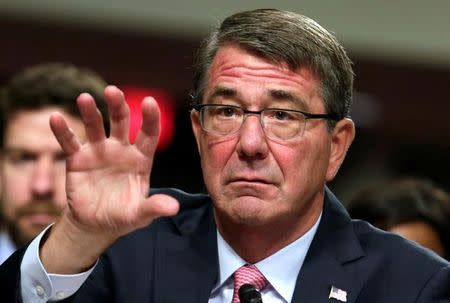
x: 331, y: 259
x: 187, y: 262
x: 335, y: 258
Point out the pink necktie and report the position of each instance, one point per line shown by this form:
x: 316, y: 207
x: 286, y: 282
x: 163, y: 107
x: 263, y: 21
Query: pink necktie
x: 247, y: 274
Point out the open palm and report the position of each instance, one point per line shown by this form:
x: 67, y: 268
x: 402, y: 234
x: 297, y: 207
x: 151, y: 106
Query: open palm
x: 107, y: 177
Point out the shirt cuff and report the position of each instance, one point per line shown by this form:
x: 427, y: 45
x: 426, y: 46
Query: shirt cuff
x: 39, y: 286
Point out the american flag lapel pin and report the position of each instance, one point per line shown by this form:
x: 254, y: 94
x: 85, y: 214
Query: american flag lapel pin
x: 338, y: 294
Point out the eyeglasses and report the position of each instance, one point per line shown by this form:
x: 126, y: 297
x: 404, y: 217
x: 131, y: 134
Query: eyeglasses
x: 284, y: 124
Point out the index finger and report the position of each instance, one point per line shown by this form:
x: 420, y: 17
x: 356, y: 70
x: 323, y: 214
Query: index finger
x: 63, y: 134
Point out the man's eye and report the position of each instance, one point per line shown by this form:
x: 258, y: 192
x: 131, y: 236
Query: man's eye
x: 22, y: 158
x: 282, y: 115
x: 227, y: 111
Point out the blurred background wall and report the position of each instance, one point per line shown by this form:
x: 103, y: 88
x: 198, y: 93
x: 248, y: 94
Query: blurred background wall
x: 401, y: 51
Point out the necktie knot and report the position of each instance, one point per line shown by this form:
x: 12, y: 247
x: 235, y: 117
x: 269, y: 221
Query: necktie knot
x: 247, y: 274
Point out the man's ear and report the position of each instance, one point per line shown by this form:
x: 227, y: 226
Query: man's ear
x: 341, y: 139
x: 196, y: 127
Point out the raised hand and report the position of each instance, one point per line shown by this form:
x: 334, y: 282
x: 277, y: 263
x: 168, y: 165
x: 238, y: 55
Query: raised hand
x: 107, y: 181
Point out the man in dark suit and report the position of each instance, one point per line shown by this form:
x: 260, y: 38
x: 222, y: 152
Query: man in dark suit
x: 272, y: 93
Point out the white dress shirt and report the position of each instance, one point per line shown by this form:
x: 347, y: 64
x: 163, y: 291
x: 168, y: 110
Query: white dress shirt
x: 280, y: 269
x: 7, y: 247
x: 38, y: 286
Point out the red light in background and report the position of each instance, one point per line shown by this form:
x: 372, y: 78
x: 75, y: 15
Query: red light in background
x: 134, y: 96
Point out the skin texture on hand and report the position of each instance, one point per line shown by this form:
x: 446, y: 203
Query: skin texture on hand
x: 107, y: 183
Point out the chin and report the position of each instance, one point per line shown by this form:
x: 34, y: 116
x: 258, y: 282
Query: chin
x: 249, y: 211
x: 29, y: 235
x: 30, y: 232
x: 250, y: 221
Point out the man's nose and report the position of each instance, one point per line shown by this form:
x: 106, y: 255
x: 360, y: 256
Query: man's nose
x: 252, y: 139
x: 43, y: 177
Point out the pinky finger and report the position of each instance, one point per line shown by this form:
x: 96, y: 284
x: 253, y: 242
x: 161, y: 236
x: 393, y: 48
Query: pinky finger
x: 64, y: 135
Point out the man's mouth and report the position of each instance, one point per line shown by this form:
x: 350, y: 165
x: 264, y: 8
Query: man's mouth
x: 39, y: 218
x: 249, y: 181
x: 39, y: 212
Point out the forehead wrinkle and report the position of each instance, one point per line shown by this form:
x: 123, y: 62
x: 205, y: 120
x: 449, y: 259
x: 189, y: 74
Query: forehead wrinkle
x: 246, y: 70
x: 272, y: 94
x: 271, y: 77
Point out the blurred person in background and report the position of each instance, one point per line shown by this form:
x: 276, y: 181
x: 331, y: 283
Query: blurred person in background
x: 32, y: 164
x: 413, y: 208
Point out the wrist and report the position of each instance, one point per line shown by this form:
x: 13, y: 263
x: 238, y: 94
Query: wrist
x: 69, y: 249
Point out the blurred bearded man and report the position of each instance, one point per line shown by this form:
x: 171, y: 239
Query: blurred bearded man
x: 32, y: 164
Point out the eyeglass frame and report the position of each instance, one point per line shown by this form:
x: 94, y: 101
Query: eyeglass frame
x: 246, y: 112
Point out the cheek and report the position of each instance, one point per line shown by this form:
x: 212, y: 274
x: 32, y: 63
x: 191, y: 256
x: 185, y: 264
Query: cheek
x: 15, y: 183
x: 14, y: 196
x: 301, y: 163
x: 215, y: 154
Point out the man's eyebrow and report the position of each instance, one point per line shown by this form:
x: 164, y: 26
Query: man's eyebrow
x: 15, y: 151
x: 221, y: 91
x: 11, y: 150
x: 283, y: 95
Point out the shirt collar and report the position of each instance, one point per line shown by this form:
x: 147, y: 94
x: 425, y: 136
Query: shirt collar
x: 280, y: 269
x: 7, y: 246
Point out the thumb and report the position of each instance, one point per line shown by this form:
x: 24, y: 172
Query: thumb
x: 159, y: 205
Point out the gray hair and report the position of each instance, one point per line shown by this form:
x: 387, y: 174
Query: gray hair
x: 283, y: 37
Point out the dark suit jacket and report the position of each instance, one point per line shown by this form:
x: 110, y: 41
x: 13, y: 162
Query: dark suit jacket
x: 175, y: 260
